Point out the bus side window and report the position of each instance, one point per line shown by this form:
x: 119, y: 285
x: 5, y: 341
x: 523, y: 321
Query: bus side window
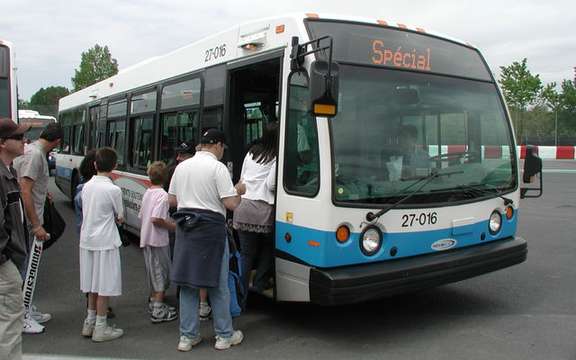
x: 177, y: 127
x: 301, y: 162
x: 141, y: 130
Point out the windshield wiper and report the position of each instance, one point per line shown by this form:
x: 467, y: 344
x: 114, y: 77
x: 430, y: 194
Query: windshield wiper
x: 423, y: 181
x: 475, y: 189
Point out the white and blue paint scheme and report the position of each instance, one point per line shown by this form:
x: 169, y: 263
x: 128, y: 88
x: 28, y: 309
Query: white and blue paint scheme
x: 413, y: 181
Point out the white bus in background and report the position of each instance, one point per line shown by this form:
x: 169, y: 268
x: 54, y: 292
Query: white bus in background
x: 36, y: 121
x: 356, y: 217
x: 8, y: 89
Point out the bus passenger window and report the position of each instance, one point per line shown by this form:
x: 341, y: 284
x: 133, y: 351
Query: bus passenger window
x: 177, y: 127
x: 78, y: 147
x: 117, y: 138
x: 120, y: 141
x: 301, y: 162
x: 142, y: 136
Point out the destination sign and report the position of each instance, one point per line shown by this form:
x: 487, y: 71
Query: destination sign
x: 408, y: 59
x: 400, y: 49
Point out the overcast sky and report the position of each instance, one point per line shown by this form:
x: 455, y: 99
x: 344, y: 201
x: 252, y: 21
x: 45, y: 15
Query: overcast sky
x: 50, y: 36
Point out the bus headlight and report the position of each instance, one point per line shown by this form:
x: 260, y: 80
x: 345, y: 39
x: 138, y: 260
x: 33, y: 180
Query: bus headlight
x: 495, y: 222
x: 370, y: 240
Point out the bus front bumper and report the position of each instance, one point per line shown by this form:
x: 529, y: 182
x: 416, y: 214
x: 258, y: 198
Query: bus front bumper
x: 359, y: 283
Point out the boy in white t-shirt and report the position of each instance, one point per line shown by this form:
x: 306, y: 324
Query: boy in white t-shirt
x: 100, y: 268
x: 155, y: 242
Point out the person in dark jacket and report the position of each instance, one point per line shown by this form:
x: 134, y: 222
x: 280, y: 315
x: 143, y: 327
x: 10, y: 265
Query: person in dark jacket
x: 13, y: 241
x: 202, y: 190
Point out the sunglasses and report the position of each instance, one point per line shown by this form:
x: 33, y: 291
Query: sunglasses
x: 15, y: 137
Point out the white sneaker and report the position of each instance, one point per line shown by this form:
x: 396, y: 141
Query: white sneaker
x: 223, y: 343
x: 205, y: 311
x: 31, y: 326
x: 186, y: 343
x: 88, y: 328
x: 40, y: 317
x: 106, y: 333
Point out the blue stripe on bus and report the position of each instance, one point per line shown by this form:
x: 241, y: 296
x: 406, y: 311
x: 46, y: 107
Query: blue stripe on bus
x: 330, y: 253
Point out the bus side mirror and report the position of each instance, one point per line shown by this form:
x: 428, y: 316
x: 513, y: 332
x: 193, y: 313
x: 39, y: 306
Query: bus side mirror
x: 324, y: 88
x: 532, y: 167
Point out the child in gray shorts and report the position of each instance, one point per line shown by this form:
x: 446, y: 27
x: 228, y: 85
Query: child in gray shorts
x: 155, y: 243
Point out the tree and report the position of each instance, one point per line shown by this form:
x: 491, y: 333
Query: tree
x: 520, y: 88
x: 23, y: 104
x: 45, y: 101
x: 568, y: 115
x: 553, y: 100
x: 569, y: 96
x: 96, y: 65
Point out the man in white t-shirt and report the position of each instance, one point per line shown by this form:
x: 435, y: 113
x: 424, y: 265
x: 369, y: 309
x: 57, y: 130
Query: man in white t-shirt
x: 201, y: 189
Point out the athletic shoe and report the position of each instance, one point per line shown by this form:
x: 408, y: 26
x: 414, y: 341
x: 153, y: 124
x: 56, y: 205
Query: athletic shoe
x: 205, y: 311
x: 88, y: 328
x: 31, y: 326
x: 151, y: 307
x: 163, y: 313
x: 40, y: 317
x: 106, y: 333
x: 223, y: 343
x: 186, y: 343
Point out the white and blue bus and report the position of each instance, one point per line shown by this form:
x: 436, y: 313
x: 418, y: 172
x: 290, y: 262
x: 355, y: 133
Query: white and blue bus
x: 397, y: 170
x: 8, y: 94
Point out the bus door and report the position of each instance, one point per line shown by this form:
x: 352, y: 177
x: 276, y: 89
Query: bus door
x: 254, y: 95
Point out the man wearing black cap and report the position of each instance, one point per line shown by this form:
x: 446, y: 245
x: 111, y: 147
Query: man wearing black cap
x: 34, y: 174
x: 202, y: 190
x: 184, y: 151
x: 13, y: 241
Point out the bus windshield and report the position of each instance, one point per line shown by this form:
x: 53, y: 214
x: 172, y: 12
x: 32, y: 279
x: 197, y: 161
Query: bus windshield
x: 395, y: 127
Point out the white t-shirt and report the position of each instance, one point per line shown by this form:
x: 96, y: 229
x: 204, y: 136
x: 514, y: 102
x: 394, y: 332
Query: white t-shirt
x: 32, y: 164
x: 201, y: 182
x: 259, y: 179
x: 101, y: 204
x: 154, y: 205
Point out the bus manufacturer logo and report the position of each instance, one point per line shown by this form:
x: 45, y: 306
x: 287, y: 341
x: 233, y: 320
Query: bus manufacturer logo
x: 444, y: 244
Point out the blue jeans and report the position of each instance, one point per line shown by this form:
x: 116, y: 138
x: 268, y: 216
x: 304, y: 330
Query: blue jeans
x: 219, y: 301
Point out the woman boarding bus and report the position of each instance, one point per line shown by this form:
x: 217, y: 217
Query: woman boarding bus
x: 397, y: 165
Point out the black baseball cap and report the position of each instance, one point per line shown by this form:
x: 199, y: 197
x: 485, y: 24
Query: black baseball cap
x: 9, y: 128
x: 186, y: 148
x: 52, y: 132
x: 213, y: 136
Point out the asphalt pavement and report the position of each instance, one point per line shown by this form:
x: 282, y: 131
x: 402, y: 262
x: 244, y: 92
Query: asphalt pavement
x: 524, y: 312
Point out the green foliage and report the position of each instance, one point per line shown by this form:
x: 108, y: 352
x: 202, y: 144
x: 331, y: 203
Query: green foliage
x: 96, y: 65
x: 45, y: 101
x: 520, y: 87
x: 551, y: 97
x: 569, y: 96
x: 23, y: 104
